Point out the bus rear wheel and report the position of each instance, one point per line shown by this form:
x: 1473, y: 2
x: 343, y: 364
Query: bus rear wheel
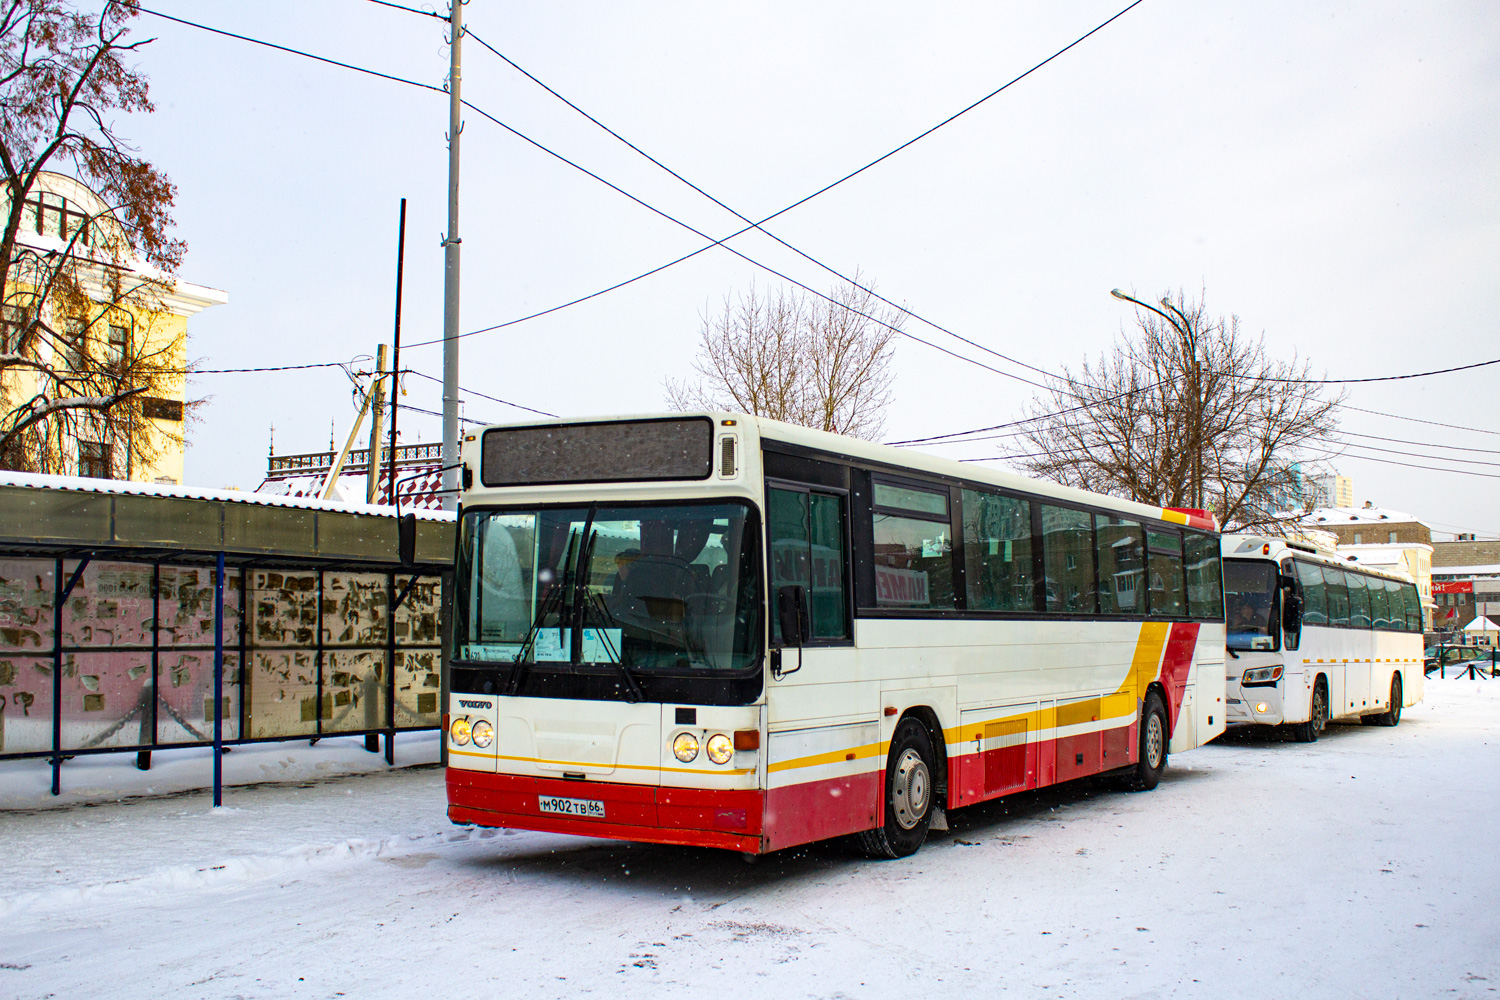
x: 1392, y: 714
x: 1308, y: 732
x: 909, y: 792
x: 1152, y: 758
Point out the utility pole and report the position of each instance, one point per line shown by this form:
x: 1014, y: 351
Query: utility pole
x: 451, y: 264
x: 377, y: 414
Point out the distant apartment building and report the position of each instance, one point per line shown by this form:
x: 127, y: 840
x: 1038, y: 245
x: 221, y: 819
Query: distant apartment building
x: 1327, y: 490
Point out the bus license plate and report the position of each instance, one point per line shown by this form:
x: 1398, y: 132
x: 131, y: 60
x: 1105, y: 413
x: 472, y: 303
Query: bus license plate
x: 591, y: 808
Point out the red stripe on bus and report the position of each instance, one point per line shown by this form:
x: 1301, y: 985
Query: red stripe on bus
x: 1176, y: 663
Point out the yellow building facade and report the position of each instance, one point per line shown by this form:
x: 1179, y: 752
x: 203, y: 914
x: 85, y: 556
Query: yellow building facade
x: 148, y: 325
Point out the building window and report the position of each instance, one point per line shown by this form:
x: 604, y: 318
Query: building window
x: 52, y: 215
x: 93, y: 459
x: 1358, y: 538
x: 12, y: 324
x: 1392, y: 538
x: 119, y: 344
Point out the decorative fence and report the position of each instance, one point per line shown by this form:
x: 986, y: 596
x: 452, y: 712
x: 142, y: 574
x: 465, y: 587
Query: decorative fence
x: 108, y: 645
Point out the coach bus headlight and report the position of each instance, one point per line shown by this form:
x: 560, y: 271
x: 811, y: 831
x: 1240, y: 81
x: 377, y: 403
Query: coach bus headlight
x: 460, y: 731
x: 685, y: 747
x: 720, y: 748
x: 483, y: 734
x: 1261, y: 675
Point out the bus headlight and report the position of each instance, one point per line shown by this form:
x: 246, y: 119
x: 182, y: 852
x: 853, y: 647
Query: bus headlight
x: 720, y: 748
x: 1261, y: 675
x: 483, y: 734
x: 685, y: 747
x: 460, y: 731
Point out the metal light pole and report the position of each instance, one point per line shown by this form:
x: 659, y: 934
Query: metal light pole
x: 451, y: 265
x: 1184, y: 330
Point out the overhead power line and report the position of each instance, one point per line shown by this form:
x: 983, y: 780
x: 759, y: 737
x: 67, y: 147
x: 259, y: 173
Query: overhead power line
x: 1419, y: 420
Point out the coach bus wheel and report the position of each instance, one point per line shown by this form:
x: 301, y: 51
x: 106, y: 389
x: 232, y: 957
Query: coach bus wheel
x: 1152, y: 759
x: 1392, y: 715
x: 909, y: 791
x: 1307, y: 732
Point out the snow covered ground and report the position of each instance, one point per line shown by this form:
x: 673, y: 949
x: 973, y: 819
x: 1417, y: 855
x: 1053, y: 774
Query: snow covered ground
x: 1363, y: 865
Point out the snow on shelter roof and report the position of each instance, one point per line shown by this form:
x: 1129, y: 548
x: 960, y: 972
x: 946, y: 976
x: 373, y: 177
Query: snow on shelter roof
x: 61, y: 514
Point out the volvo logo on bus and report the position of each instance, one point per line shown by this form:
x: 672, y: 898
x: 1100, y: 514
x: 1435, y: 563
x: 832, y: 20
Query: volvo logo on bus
x: 473, y: 704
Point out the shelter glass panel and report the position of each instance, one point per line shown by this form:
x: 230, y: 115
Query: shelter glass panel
x: 106, y: 699
x: 417, y: 617
x: 187, y: 606
x: 253, y: 528
x: 1122, y: 565
x: 355, y: 608
x: 25, y: 704
x: 283, y: 607
x: 997, y: 552
x: 110, y: 606
x: 417, y: 688
x: 353, y: 690
x: 283, y: 692
x: 27, y: 588
x: 185, y: 697
x: 31, y: 515
x: 357, y: 536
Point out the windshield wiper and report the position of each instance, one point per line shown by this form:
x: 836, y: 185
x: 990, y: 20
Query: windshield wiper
x: 582, y: 600
x: 553, y: 602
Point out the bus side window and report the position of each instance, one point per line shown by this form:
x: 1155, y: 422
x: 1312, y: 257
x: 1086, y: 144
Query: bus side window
x: 1068, y: 556
x: 1338, y: 596
x: 913, y: 552
x: 1204, y: 591
x: 1122, y: 565
x: 1164, y: 570
x: 1397, y: 606
x: 1380, y: 615
x: 1314, y: 596
x: 1413, y: 604
x: 997, y: 552
x: 807, y: 550
x: 1359, y: 600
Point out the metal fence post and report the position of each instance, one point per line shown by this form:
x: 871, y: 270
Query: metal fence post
x: 57, y: 626
x: 219, y: 681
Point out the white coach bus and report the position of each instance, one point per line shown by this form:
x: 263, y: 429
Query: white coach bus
x: 1313, y: 638
x: 718, y: 630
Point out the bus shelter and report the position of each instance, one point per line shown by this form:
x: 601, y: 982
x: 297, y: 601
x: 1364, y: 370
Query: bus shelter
x: 136, y: 618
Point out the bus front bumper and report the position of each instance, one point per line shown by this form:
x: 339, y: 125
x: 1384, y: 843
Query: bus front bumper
x: 1254, y: 706
x: 694, y: 817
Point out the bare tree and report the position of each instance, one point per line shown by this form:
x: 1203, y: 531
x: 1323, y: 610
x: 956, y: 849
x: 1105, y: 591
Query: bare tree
x: 1185, y: 411
x: 83, y: 267
x: 821, y: 363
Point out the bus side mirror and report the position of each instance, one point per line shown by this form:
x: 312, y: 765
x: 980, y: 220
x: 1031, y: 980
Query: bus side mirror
x: 406, y: 539
x: 791, y: 613
x: 1291, y: 611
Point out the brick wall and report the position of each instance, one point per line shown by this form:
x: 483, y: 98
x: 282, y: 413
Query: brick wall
x: 1465, y: 553
x: 1379, y: 533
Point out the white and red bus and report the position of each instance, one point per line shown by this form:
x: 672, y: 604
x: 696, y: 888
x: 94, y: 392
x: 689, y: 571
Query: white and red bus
x: 1314, y: 638
x: 718, y: 630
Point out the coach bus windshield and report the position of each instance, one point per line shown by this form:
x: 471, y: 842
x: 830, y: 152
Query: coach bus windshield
x: 643, y: 588
x: 1250, y: 603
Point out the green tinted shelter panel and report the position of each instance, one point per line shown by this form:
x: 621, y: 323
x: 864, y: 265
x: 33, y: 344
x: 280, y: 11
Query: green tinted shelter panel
x: 252, y: 528
x: 153, y: 520
x: 352, y: 536
x: 29, y: 515
x: 435, y: 541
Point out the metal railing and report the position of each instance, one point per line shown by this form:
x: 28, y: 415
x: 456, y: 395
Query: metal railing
x: 359, y: 458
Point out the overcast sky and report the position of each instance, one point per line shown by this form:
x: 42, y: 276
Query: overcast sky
x: 1327, y: 171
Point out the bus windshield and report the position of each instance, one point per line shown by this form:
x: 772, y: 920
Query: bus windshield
x: 643, y: 588
x: 1250, y: 602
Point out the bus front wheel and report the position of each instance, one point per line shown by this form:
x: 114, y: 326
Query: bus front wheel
x: 909, y: 792
x: 1308, y: 732
x: 1152, y: 760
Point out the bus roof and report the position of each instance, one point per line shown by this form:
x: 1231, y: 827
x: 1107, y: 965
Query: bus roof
x: 1251, y: 546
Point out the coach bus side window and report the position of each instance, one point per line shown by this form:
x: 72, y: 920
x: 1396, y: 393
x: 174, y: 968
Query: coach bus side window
x: 1380, y: 614
x: 1314, y: 596
x: 1122, y: 565
x: 1395, y: 592
x: 1164, y: 570
x: 1338, y: 596
x: 807, y: 549
x: 997, y: 552
x: 1068, y: 555
x: 1413, y: 602
x: 913, y: 549
x: 1204, y: 594
x: 1359, y: 600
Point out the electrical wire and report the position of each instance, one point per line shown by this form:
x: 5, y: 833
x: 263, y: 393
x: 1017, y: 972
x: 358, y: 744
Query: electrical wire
x: 270, y: 368
x: 1419, y: 420
x: 476, y: 392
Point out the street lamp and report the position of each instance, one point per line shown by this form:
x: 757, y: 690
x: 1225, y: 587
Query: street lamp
x: 1185, y: 331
